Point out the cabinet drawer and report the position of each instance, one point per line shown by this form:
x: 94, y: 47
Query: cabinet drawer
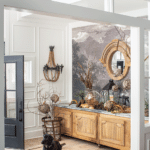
x: 112, y: 130
x: 84, y: 125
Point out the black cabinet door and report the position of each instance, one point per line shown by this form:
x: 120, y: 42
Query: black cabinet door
x: 14, y: 101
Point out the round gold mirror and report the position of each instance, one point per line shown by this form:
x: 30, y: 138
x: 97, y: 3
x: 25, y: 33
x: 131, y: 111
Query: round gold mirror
x: 116, y: 59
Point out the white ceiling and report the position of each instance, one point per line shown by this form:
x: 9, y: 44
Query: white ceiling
x: 121, y: 6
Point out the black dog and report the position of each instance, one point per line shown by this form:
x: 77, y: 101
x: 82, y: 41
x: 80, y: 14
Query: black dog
x: 49, y: 143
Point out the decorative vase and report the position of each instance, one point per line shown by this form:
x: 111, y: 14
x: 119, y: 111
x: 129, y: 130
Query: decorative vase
x: 91, y: 97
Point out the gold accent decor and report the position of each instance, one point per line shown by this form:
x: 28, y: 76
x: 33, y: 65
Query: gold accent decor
x: 106, y: 59
x: 73, y: 101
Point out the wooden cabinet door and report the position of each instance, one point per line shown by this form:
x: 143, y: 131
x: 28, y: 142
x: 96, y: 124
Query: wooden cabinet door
x: 112, y: 130
x: 66, y: 121
x: 85, y: 126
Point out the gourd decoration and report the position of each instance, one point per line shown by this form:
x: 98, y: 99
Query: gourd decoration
x: 55, y: 98
x: 126, y: 84
x: 116, y: 108
x: 44, y: 108
x: 108, y: 105
x: 50, y: 67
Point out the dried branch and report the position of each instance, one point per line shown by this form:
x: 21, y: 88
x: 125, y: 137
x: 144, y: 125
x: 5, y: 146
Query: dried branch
x: 87, y: 79
x: 45, y: 101
x: 82, y: 68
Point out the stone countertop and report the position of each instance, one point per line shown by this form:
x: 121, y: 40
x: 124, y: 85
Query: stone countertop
x: 73, y: 106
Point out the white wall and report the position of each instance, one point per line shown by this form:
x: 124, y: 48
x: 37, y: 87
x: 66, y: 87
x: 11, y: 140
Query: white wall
x: 31, y: 36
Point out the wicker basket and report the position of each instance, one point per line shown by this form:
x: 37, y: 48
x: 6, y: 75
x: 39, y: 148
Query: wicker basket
x: 52, y: 127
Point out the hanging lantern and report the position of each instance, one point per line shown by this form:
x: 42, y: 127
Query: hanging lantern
x: 50, y: 70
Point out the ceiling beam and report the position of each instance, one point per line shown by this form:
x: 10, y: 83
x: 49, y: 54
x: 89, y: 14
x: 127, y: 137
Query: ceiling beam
x: 48, y: 7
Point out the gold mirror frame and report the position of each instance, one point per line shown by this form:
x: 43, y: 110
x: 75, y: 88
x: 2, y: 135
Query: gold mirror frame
x: 106, y: 59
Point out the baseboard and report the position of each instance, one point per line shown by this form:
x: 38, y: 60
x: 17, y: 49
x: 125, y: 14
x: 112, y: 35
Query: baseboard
x: 35, y: 147
x: 33, y: 134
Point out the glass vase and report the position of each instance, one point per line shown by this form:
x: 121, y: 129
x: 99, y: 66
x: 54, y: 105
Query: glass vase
x: 91, y: 96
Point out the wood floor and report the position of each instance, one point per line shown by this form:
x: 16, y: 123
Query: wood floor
x: 71, y: 144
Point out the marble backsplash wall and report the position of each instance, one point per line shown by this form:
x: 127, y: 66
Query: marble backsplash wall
x: 88, y: 45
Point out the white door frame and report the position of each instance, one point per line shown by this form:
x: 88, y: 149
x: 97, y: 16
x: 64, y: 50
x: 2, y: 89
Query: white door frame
x: 48, y: 7
x: 137, y: 88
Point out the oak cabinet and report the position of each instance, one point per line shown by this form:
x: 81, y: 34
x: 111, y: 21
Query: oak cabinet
x: 84, y: 125
x: 112, y: 130
x: 109, y: 130
x: 66, y: 122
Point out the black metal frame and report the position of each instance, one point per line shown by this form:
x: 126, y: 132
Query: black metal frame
x: 5, y: 91
x: 57, y: 68
x: 14, y: 127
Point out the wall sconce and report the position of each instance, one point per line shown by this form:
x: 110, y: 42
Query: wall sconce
x: 51, y: 67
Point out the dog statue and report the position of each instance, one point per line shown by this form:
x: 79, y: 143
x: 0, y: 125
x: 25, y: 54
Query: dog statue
x: 49, y: 143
